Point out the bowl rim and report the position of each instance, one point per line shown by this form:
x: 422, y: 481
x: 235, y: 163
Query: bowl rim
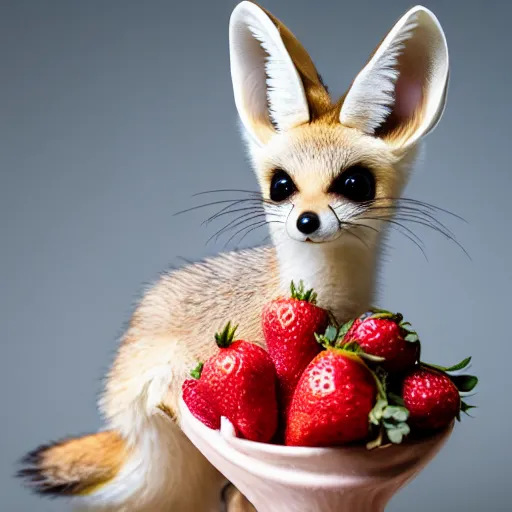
x: 227, y: 432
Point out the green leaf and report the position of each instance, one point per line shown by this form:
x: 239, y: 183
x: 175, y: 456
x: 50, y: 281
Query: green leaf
x: 464, y: 383
x: 330, y: 333
x: 395, y: 436
x: 404, y: 428
x: 322, y: 340
x: 464, y: 407
x: 396, y: 431
x: 412, y: 337
x: 196, y: 372
x: 395, y: 412
x: 226, y: 336
x: 300, y: 293
x: 345, y: 328
x: 459, y: 366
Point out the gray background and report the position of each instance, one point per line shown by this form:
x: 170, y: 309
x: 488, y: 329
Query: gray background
x: 113, y: 113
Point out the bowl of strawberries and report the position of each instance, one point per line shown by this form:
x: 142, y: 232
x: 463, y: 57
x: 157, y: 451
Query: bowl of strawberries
x: 328, y: 417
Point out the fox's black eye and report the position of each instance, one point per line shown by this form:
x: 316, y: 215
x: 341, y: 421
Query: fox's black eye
x: 281, y: 186
x: 356, y: 184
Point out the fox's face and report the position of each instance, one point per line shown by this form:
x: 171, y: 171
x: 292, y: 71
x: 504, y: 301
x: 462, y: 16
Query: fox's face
x: 332, y: 170
x: 319, y: 181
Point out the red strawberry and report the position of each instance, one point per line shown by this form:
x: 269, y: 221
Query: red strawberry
x: 432, y: 396
x: 289, y: 327
x: 332, y: 401
x: 384, y: 334
x: 199, y: 405
x: 240, y: 383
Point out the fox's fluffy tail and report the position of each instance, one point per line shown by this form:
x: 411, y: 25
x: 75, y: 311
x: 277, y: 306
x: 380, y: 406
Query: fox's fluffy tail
x: 160, y: 471
x: 75, y: 467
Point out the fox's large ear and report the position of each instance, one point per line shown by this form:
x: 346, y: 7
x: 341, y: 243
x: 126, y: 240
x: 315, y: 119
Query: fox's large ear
x: 274, y: 80
x: 401, y: 92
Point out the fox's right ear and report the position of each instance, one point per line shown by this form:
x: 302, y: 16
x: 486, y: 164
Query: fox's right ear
x: 400, y: 94
x: 275, y: 83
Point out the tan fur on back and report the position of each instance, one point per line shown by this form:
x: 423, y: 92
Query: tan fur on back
x: 176, y: 321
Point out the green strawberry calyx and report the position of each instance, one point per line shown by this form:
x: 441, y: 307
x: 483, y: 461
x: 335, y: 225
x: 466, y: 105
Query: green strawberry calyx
x: 374, y: 313
x: 225, y: 337
x: 300, y: 293
x: 464, y: 383
x: 410, y: 334
x: 196, y: 372
x: 389, y: 415
x: 330, y: 339
x: 343, y: 330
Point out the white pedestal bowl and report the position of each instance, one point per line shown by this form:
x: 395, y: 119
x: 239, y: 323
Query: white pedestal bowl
x: 294, y: 479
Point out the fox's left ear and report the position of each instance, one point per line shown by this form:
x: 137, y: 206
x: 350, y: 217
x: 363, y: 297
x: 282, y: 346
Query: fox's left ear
x: 401, y: 92
x: 275, y: 82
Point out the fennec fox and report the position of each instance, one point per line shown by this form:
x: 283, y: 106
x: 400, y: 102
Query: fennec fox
x: 331, y: 175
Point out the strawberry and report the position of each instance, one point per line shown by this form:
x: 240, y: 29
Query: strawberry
x: 198, y: 403
x: 433, y: 397
x: 385, y: 335
x: 332, y: 401
x: 240, y: 383
x: 339, y: 399
x: 289, y: 326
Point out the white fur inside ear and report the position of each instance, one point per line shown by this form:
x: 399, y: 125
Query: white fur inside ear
x: 372, y: 95
x: 288, y: 104
x: 266, y: 84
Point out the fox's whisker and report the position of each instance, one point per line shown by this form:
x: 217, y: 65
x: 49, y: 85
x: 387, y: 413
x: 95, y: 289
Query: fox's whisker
x: 249, y: 229
x: 395, y: 221
x: 350, y: 225
x: 416, y: 202
x: 221, y: 190
x: 350, y: 231
x: 403, y: 230
x: 238, y: 221
x: 357, y: 225
x: 251, y: 193
x: 447, y: 235
x: 417, y: 219
x: 258, y: 224
x: 226, y: 211
x: 214, y: 203
x: 413, y: 211
x: 420, y: 219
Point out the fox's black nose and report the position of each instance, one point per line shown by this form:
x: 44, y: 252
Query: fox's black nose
x: 308, y: 222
